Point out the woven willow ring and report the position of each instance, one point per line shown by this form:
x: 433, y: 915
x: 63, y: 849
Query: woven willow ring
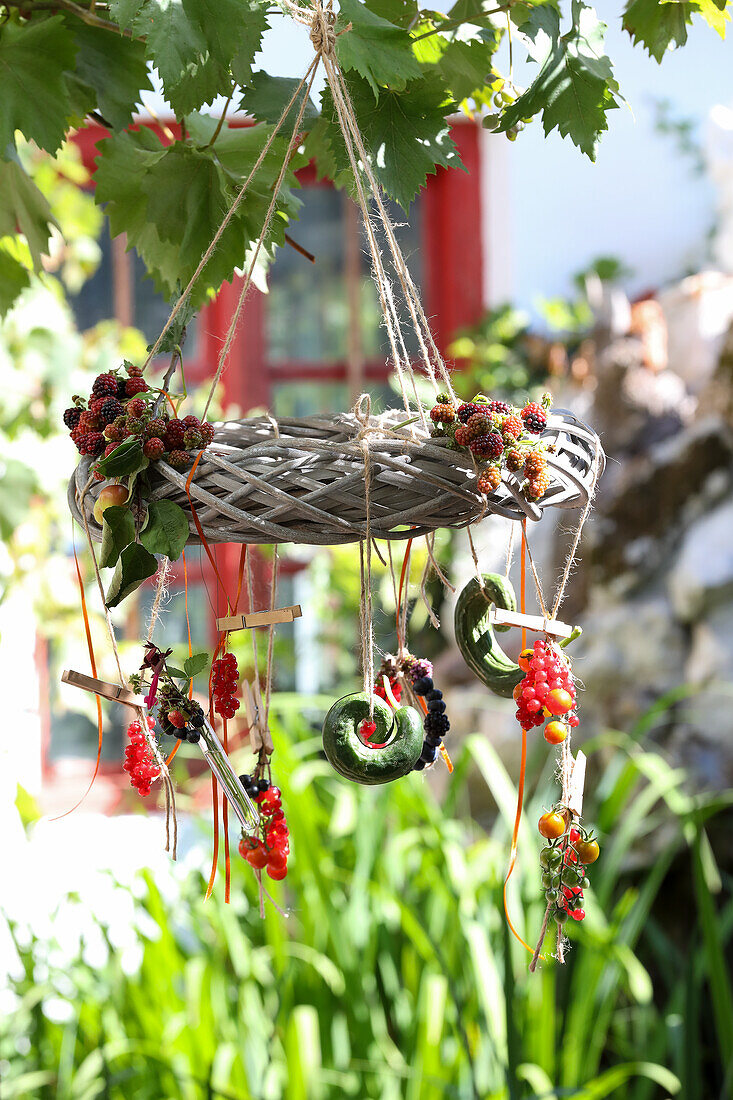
x: 302, y: 480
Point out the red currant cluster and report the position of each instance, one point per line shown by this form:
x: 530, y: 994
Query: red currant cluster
x: 499, y: 436
x: 271, y: 848
x: 564, y: 863
x: 139, y: 763
x: 224, y: 685
x: 121, y: 407
x: 547, y: 691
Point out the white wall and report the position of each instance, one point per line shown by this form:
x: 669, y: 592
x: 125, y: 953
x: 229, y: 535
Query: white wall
x: 552, y: 211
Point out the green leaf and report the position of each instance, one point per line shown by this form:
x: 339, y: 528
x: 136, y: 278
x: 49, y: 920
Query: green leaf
x: 166, y: 531
x: 118, y: 531
x: 254, y: 25
x: 375, y: 48
x: 177, y: 673
x: 179, y: 51
x: 14, y: 276
x: 135, y: 565
x: 268, y: 96
x: 33, y: 94
x: 18, y: 484
x: 124, y: 12
x: 406, y: 133
x: 229, y: 28
x: 24, y: 209
x: 195, y: 664
x: 575, y: 87
x: 400, y: 12
x: 111, y: 70
x: 128, y: 458
x: 661, y: 25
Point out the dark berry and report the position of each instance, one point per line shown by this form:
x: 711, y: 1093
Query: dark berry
x: 134, y: 386
x: 136, y: 407
x: 466, y: 411
x: 436, y: 706
x: 428, y: 754
x: 105, y: 385
x: 534, y: 418
x: 92, y: 443
x: 207, y: 433
x: 436, y: 723
x: 110, y: 409
x: 423, y: 685
x: 173, y: 437
x: 71, y: 417
x: 435, y: 694
x: 192, y: 440
x: 191, y: 422
x: 153, y: 448
x: 499, y: 407
x: 490, y: 445
x: 179, y: 460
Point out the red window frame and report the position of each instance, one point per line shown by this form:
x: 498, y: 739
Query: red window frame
x: 453, y: 298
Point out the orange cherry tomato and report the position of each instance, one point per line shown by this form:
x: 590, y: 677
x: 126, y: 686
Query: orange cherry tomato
x: 551, y: 825
x: 555, y: 732
x: 524, y: 658
x: 588, y: 850
x: 559, y: 701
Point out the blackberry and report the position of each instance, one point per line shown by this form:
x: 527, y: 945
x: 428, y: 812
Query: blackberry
x: 134, y: 386
x: 105, y: 385
x: 489, y: 480
x: 92, y: 443
x: 534, y: 418
x: 514, y: 460
x: 488, y: 446
x: 179, y: 460
x: 157, y: 426
x: 538, y: 486
x: 135, y: 425
x: 136, y: 407
x: 442, y: 414
x: 428, y: 754
x: 133, y: 371
x: 512, y: 426
x: 153, y: 448
x: 436, y: 723
x: 71, y: 417
x: 499, y: 407
x: 87, y: 422
x: 466, y: 411
x: 110, y: 409
x: 191, y: 422
x: 462, y: 436
x: 207, y: 433
x: 534, y: 464
x: 173, y: 437
x: 192, y: 440
x: 477, y: 425
x: 110, y: 447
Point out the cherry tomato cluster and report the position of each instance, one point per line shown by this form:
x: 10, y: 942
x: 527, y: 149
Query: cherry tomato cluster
x: 547, y: 691
x: 270, y: 849
x: 564, y: 863
x: 224, y: 684
x: 139, y: 762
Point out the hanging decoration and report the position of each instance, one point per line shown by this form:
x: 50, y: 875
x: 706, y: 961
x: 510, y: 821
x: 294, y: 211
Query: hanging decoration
x: 151, y: 481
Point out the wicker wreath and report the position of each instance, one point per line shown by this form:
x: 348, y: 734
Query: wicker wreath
x: 302, y: 481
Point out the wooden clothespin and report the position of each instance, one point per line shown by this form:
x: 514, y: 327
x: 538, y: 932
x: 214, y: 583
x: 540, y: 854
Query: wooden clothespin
x: 115, y: 692
x: 259, y: 733
x: 576, y: 785
x: 536, y: 623
x: 259, y: 618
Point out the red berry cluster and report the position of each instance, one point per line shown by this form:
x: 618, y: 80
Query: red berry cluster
x: 271, y: 848
x: 139, y: 762
x: 548, y: 688
x: 499, y: 437
x: 224, y: 685
x: 120, y: 407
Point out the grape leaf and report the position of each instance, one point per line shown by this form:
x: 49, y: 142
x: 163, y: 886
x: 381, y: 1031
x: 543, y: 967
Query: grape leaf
x: 661, y: 25
x: 166, y: 530
x: 110, y: 72
x: 228, y: 27
x: 406, y: 134
x: 268, y: 96
x: 134, y: 566
x: 375, y: 48
x: 400, y: 12
x: 14, y: 276
x: 24, y: 209
x: 575, y: 87
x: 179, y: 51
x: 255, y: 24
x: 125, y: 12
x: 118, y: 531
x: 33, y: 94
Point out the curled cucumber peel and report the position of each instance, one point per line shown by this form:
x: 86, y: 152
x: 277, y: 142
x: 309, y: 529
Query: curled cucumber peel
x: 475, y: 634
x: 398, y: 740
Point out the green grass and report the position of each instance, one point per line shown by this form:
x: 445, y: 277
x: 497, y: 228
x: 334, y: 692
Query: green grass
x: 394, y: 975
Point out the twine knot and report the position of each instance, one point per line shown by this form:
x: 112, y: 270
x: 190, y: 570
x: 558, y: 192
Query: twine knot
x: 323, y: 34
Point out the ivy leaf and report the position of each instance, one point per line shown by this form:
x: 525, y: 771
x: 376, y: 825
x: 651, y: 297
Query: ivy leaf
x: 118, y: 531
x: 33, y: 94
x: 406, y: 134
x: 128, y: 458
x: 575, y: 87
x: 110, y: 72
x: 195, y: 664
x: 24, y: 209
x: 661, y: 25
x: 268, y: 96
x: 14, y: 276
x: 134, y: 566
x: 166, y: 530
x: 375, y: 48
